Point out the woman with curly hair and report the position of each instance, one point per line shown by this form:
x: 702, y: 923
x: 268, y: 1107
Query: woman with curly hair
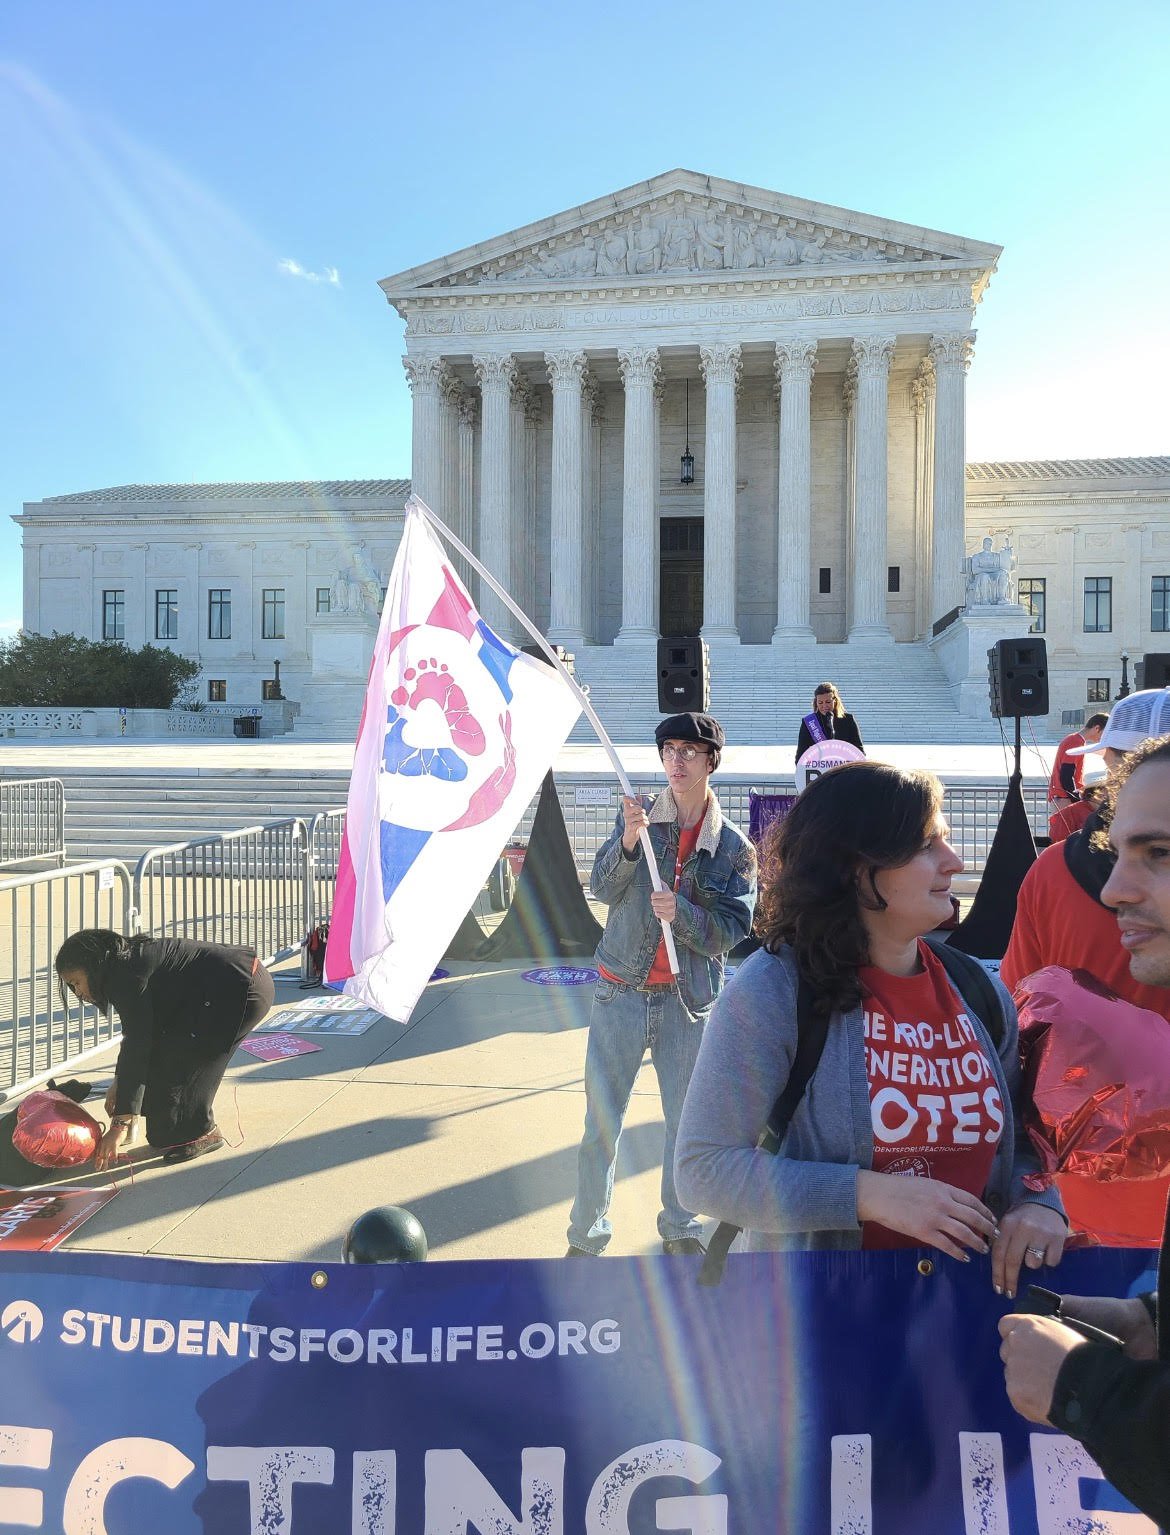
x: 184, y: 1007
x: 908, y: 1133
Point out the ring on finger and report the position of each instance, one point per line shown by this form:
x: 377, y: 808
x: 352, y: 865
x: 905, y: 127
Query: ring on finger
x: 1037, y: 1252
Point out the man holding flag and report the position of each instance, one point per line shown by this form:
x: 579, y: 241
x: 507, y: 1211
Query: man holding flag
x: 708, y: 869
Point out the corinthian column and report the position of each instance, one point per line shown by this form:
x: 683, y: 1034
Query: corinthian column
x: 951, y: 356
x: 495, y: 372
x: 795, y: 361
x: 720, y: 364
x: 639, y: 367
x: 873, y: 355
x: 566, y: 371
x: 447, y: 468
x: 426, y: 376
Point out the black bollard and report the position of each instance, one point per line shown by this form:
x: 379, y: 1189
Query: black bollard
x: 388, y: 1234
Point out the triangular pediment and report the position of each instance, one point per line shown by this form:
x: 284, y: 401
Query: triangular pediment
x: 682, y: 226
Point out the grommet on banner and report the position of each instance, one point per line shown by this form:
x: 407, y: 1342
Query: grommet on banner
x: 318, y: 1279
x: 925, y: 1267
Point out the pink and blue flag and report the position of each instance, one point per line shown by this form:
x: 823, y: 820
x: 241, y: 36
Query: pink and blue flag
x: 458, y: 730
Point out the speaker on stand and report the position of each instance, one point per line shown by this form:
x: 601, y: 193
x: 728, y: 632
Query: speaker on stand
x: 1017, y: 674
x: 1155, y: 670
x: 684, y: 675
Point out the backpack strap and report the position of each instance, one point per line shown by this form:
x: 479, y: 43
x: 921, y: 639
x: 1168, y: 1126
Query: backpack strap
x: 974, y: 985
x: 812, y: 1028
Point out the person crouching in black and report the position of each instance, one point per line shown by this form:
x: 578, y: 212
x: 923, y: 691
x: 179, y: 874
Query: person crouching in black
x: 184, y: 1007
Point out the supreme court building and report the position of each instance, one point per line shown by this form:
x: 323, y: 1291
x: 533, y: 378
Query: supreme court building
x: 687, y: 407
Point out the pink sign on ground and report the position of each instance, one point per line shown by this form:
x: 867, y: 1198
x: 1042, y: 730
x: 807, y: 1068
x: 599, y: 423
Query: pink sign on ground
x: 278, y: 1047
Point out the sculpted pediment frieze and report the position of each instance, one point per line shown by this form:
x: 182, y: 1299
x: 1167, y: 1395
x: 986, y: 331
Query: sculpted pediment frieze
x: 687, y: 239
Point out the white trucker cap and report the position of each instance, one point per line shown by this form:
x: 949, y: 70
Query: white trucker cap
x: 1131, y: 721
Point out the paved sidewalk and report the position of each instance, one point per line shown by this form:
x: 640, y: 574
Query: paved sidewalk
x: 470, y: 1117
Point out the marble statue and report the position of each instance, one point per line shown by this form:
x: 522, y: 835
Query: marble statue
x: 989, y: 575
x: 357, y: 591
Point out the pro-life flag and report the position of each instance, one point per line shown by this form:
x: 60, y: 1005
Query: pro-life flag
x: 457, y: 731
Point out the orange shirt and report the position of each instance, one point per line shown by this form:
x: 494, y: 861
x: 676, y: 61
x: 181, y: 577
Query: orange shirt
x: 1056, y: 790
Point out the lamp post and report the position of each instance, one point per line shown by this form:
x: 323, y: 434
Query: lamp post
x: 687, y: 473
x: 1123, y: 690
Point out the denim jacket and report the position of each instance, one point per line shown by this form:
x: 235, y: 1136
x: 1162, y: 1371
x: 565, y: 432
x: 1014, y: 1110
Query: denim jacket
x: 716, y: 898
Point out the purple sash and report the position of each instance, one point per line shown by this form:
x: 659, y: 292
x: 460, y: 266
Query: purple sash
x: 812, y: 723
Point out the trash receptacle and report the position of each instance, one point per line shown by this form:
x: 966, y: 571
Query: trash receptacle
x: 246, y: 725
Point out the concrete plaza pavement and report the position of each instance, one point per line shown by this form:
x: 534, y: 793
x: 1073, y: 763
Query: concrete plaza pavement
x: 469, y: 1116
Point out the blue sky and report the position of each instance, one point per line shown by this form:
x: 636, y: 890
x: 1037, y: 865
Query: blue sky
x: 199, y: 197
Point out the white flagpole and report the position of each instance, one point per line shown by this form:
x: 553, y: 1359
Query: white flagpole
x: 582, y: 699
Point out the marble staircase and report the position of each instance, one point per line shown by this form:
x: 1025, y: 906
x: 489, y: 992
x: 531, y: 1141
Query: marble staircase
x: 897, y: 693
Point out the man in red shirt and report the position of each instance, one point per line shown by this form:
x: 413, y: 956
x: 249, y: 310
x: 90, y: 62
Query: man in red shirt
x: 1061, y: 920
x: 1066, y: 781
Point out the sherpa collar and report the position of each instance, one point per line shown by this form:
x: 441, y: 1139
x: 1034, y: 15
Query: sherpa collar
x: 665, y: 809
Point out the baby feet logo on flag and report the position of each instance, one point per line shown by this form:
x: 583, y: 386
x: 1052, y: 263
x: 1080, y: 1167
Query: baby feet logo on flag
x: 458, y: 729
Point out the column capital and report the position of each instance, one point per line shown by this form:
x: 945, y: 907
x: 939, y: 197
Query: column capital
x: 721, y: 363
x: 873, y: 355
x: 922, y: 386
x: 451, y: 391
x: 796, y: 361
x: 424, y: 374
x: 524, y: 397
x: 952, y: 351
x: 591, y: 396
x: 495, y: 370
x: 468, y: 408
x: 849, y: 385
x: 639, y: 365
x: 566, y: 371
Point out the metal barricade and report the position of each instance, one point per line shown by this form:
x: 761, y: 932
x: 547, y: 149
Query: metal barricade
x: 39, y: 1035
x: 324, y: 854
x: 245, y: 887
x: 32, y: 820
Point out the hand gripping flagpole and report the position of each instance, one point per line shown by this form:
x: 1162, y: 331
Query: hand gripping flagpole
x: 582, y: 698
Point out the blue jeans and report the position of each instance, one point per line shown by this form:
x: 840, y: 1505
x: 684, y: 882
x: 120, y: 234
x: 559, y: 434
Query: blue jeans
x: 625, y: 1024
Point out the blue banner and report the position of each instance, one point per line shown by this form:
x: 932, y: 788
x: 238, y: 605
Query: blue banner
x: 851, y: 1394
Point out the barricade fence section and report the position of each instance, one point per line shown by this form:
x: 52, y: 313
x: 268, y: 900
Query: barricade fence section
x: 590, y: 807
x: 324, y: 854
x: 32, y: 820
x: 40, y: 1034
x: 245, y: 887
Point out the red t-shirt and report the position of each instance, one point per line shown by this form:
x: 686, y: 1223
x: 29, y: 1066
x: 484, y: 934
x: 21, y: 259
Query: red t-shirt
x: 660, y: 971
x: 1056, y: 790
x: 934, y: 1099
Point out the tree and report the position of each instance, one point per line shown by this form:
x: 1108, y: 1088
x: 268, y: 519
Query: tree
x: 67, y: 671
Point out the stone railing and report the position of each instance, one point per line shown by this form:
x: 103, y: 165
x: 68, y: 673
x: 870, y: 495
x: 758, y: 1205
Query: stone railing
x: 216, y: 721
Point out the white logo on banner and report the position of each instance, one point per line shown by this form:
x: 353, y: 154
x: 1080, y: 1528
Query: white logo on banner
x: 21, y: 1321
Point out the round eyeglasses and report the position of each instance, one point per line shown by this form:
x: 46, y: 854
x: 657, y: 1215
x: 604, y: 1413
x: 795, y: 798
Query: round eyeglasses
x: 685, y: 753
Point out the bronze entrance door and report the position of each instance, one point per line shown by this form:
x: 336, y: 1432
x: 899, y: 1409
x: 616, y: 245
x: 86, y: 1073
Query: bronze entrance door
x: 680, y: 592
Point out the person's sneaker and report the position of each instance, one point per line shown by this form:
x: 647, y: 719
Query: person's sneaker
x: 579, y: 1252
x: 212, y: 1141
x: 675, y: 1247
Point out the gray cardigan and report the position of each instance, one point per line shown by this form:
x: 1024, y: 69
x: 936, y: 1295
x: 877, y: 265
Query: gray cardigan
x: 806, y: 1196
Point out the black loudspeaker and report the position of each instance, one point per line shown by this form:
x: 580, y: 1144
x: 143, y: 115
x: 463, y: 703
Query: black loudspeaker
x: 1155, y: 670
x: 684, y: 675
x: 1017, y: 671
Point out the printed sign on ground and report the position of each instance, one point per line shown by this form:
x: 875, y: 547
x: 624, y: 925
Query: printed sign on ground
x: 562, y: 975
x: 40, y: 1221
x: 278, y: 1047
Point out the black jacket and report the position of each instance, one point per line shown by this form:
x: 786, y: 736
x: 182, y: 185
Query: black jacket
x: 843, y: 728
x: 1119, y: 1409
x: 169, y: 987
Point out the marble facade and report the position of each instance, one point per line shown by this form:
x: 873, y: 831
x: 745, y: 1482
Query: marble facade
x: 824, y: 354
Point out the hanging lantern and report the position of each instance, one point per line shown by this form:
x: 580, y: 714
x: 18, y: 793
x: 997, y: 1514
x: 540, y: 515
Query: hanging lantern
x: 687, y: 472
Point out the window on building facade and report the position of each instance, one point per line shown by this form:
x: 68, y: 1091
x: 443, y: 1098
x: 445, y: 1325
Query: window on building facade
x: 219, y: 613
x: 1032, y: 597
x: 1099, y: 690
x: 1098, y: 604
x: 216, y: 690
x: 114, y: 615
x: 272, y: 615
x: 1160, y: 604
x: 324, y: 600
x: 166, y: 613
x: 893, y: 578
x: 826, y: 583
